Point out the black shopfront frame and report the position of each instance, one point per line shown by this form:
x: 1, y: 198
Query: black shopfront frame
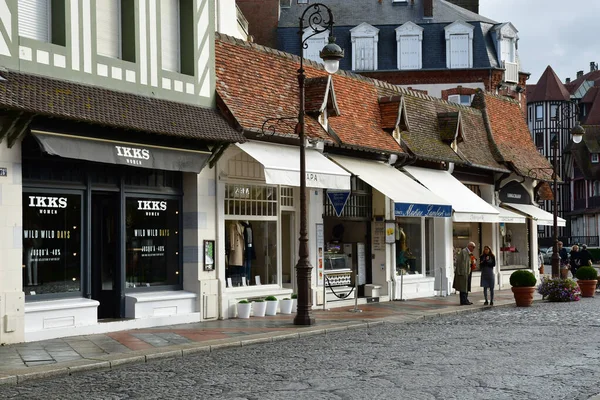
x: 87, y: 189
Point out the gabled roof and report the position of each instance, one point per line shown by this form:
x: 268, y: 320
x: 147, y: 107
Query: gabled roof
x: 320, y: 95
x: 510, y: 135
x: 449, y: 126
x: 592, y: 100
x: 393, y: 112
x: 355, y: 12
x: 255, y: 83
x: 549, y: 88
x: 592, y: 76
x: 72, y: 101
x: 581, y: 152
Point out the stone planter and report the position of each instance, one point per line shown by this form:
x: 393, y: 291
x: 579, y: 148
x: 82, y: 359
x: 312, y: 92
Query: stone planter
x: 243, y: 310
x: 523, y: 295
x: 272, y: 307
x: 285, y: 306
x: 259, y: 308
x: 588, y: 288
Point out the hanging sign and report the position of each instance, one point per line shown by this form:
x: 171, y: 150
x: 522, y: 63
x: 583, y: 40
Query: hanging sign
x: 338, y: 199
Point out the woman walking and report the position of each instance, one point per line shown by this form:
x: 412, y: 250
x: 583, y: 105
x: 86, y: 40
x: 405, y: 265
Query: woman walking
x: 487, y: 262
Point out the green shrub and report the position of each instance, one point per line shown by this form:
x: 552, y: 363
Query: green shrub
x: 294, y: 296
x: 586, y: 273
x: 287, y: 298
x: 244, y: 302
x: 271, y: 298
x: 522, y: 278
x: 259, y: 300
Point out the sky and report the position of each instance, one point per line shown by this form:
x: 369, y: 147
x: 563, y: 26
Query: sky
x: 560, y: 33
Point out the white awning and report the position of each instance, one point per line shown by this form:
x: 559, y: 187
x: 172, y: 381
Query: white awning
x: 540, y: 216
x: 282, y: 166
x: 468, y: 207
x: 510, y: 217
x: 411, y: 198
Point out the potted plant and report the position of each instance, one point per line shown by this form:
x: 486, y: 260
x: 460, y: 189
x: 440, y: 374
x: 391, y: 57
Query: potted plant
x: 272, y: 303
x: 243, y: 309
x: 285, y: 306
x: 260, y: 306
x: 587, y: 278
x: 294, y: 298
x: 523, y: 286
x: 556, y: 289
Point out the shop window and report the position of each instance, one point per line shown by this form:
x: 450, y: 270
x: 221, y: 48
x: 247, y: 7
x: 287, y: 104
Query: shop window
x: 514, y: 247
x: 287, y: 196
x: 152, y: 242
x: 409, y: 246
x: 251, y: 252
x: 251, y: 200
x: 51, y: 243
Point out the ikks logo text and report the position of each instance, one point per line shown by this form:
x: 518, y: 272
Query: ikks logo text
x: 48, y: 205
x: 152, y: 207
x: 132, y: 155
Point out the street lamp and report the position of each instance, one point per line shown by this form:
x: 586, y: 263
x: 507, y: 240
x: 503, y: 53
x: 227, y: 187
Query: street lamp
x: 331, y: 55
x: 577, y: 135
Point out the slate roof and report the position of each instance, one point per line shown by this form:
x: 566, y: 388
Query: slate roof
x: 581, y: 152
x: 593, y: 76
x: 549, y: 88
x: 592, y: 104
x: 255, y: 82
x: 68, y: 100
x: 354, y: 12
x: 511, y: 136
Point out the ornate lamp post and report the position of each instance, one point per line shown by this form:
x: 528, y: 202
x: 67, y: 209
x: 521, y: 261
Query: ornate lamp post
x: 577, y: 132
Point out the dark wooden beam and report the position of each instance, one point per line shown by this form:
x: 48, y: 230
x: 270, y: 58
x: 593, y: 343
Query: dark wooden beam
x: 8, y: 122
x: 20, y: 129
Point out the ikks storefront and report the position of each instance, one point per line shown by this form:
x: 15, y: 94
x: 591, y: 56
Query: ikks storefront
x: 103, y: 230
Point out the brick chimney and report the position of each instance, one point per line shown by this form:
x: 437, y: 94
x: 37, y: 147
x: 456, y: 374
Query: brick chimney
x: 263, y: 19
x: 428, y: 8
x: 568, y: 80
x: 579, y: 74
x: 593, y: 66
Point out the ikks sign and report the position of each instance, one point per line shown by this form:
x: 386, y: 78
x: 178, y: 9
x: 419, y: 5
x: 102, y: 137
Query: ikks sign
x: 152, y: 208
x: 47, y: 204
x: 132, y: 155
x: 514, y: 192
x: 422, y: 210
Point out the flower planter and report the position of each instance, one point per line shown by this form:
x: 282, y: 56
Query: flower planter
x: 285, y: 306
x: 243, y: 310
x: 295, y: 305
x: 523, y: 295
x: 272, y: 307
x: 588, y: 288
x: 259, y: 308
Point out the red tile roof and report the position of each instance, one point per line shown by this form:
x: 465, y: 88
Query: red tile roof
x: 255, y: 83
x: 549, y: 87
x: 511, y: 136
x: 590, y: 76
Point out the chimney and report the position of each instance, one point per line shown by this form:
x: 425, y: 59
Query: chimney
x: 427, y: 8
x: 592, y: 66
x: 471, y: 5
x: 579, y: 74
x: 568, y: 80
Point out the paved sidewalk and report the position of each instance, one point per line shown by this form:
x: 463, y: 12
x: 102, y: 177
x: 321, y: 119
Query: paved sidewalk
x: 65, y: 356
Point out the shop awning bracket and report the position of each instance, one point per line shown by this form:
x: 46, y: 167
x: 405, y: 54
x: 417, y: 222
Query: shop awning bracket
x: 216, y: 154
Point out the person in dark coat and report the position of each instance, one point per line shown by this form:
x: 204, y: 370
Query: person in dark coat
x: 564, y: 255
x: 585, y: 256
x: 575, y: 261
x: 487, y: 262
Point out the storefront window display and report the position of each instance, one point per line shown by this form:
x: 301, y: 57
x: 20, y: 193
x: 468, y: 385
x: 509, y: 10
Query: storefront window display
x: 51, y: 242
x: 251, y: 249
x: 462, y: 234
x: 152, y: 242
x: 409, y: 246
x: 514, y: 249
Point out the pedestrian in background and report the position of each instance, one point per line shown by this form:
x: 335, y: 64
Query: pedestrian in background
x: 487, y: 262
x: 465, y: 263
x: 585, y: 256
x: 540, y: 262
x: 562, y: 252
x: 575, y: 261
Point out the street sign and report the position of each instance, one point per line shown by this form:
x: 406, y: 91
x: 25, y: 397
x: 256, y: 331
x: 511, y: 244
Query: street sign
x: 338, y: 199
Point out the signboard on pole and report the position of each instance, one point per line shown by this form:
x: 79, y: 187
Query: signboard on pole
x: 338, y: 199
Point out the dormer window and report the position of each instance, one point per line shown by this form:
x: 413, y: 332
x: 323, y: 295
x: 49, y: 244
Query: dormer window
x: 409, y: 39
x: 463, y: 99
x: 364, y: 47
x: 315, y: 44
x: 595, y: 158
x: 506, y: 42
x: 459, y: 45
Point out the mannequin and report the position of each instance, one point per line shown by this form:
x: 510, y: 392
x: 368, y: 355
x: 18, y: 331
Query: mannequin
x: 236, y: 244
x: 249, y: 253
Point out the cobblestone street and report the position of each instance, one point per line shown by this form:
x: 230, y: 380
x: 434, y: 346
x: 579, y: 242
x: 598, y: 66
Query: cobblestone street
x: 548, y: 351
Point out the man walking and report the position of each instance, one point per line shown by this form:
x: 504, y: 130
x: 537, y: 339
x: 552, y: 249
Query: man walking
x: 465, y: 263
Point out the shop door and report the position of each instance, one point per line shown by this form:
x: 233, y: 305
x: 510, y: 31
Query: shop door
x: 288, y: 250
x: 105, y: 254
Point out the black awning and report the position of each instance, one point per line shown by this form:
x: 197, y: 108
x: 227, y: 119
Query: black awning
x: 123, y: 153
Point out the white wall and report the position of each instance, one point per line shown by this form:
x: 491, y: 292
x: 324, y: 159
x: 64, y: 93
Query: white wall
x: 226, y: 18
x: 12, y: 298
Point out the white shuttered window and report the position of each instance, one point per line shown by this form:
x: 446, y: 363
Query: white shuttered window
x: 315, y: 45
x: 410, y: 52
x: 364, y: 57
x: 34, y: 19
x: 169, y: 29
x: 108, y: 28
x: 459, y: 51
